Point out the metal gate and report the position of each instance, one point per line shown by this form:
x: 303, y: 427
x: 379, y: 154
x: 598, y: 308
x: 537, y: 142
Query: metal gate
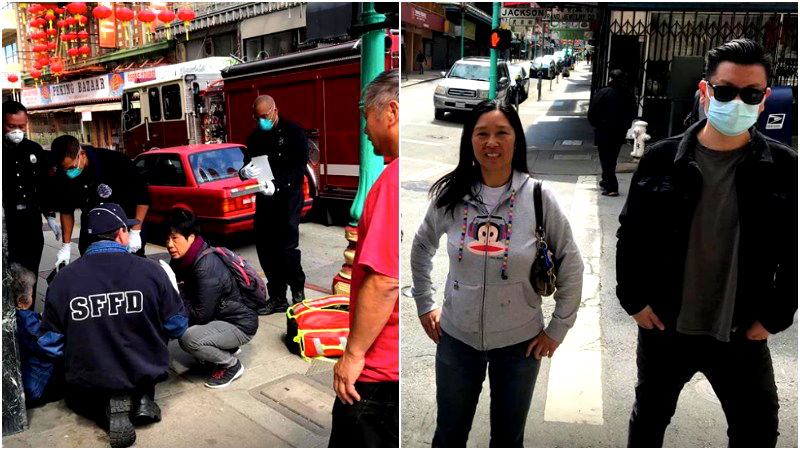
x: 644, y: 43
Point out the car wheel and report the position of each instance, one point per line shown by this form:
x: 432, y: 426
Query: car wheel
x: 438, y: 114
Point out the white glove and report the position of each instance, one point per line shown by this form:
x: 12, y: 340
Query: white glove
x: 170, y: 274
x: 250, y: 170
x: 64, y: 254
x: 51, y: 222
x: 268, y: 188
x: 135, y: 240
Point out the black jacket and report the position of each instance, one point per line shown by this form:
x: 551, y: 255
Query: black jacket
x: 287, y: 149
x: 27, y: 179
x: 655, y: 222
x: 210, y: 293
x: 611, y: 111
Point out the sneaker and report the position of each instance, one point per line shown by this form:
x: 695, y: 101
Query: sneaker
x: 145, y: 411
x: 120, y: 429
x: 221, y: 378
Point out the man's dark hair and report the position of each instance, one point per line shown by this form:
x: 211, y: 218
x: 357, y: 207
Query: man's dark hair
x: 618, y: 75
x: 183, y: 222
x: 13, y: 107
x: 64, y: 147
x: 737, y: 51
x: 108, y: 236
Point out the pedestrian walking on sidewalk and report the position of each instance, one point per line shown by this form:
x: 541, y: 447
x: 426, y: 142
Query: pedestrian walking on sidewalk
x: 219, y: 321
x: 491, y: 313
x: 611, y: 112
x: 366, y: 378
x: 421, y: 60
x: 707, y: 256
x: 110, y: 315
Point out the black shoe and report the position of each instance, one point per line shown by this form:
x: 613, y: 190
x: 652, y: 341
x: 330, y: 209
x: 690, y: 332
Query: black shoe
x: 145, y: 411
x: 298, y: 296
x: 120, y: 429
x: 221, y: 378
x: 274, y: 306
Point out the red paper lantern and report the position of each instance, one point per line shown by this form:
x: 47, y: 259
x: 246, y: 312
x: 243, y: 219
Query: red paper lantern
x: 39, y: 35
x: 84, y: 50
x: 50, y: 17
x: 51, y: 31
x: 37, y: 65
x: 72, y: 52
x: 70, y: 21
x: 83, y: 35
x: 44, y: 60
x: 60, y: 11
x: 147, y: 17
x: 57, y: 68
x: 125, y: 14
x: 166, y: 16
x: 38, y: 23
x: 82, y: 20
x: 186, y: 15
x: 39, y: 48
x: 36, y: 74
x: 12, y: 78
x: 61, y: 23
x: 52, y: 45
x: 101, y: 12
x: 76, y: 8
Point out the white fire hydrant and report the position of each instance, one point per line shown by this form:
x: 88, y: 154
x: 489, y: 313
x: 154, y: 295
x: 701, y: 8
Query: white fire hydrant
x: 638, y: 132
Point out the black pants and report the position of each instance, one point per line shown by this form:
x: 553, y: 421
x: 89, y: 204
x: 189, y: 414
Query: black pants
x: 460, y: 371
x: 371, y: 422
x: 740, y: 371
x: 25, y: 240
x: 277, y: 238
x: 608, y: 149
x: 92, y: 403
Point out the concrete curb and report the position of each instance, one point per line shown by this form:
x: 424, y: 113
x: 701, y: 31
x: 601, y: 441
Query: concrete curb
x: 409, y: 84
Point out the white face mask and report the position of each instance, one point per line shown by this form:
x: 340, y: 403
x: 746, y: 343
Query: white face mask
x: 15, y: 136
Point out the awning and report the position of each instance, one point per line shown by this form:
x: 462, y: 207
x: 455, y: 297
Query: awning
x: 50, y: 110
x: 98, y: 107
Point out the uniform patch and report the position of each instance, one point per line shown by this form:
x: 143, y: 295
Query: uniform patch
x: 104, y: 191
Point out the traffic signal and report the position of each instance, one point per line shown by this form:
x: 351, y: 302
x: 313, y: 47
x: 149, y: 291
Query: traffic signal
x: 500, y: 39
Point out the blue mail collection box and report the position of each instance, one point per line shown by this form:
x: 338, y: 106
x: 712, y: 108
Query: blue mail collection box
x: 777, y: 120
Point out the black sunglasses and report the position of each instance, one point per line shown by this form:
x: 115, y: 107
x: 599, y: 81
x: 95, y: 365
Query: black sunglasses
x: 751, y: 96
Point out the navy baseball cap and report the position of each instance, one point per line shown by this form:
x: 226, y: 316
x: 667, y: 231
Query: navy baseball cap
x: 108, y: 217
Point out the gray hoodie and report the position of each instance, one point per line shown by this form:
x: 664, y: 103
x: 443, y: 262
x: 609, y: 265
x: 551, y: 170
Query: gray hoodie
x: 481, y: 308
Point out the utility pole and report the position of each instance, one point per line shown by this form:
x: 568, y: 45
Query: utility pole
x: 463, y: 8
x: 493, y: 53
x: 371, y: 28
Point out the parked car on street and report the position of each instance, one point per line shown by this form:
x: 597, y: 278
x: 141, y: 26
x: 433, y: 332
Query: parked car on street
x: 543, y: 65
x: 205, y: 179
x: 520, y: 83
x: 466, y: 84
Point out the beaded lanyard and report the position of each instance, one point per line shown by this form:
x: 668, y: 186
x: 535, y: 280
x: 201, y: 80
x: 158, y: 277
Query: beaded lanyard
x: 508, y: 232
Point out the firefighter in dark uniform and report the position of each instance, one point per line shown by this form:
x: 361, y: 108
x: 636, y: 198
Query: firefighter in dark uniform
x: 91, y: 176
x: 26, y: 178
x: 279, y: 202
x: 110, y: 315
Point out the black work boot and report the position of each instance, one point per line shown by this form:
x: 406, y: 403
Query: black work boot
x: 274, y: 305
x: 120, y: 429
x: 298, y: 296
x: 145, y: 411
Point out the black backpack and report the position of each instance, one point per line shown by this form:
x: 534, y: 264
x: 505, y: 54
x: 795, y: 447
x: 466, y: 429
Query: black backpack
x: 252, y: 288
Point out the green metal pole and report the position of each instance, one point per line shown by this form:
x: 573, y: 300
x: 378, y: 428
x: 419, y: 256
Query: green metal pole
x: 372, y: 64
x: 493, y: 54
x: 462, y: 31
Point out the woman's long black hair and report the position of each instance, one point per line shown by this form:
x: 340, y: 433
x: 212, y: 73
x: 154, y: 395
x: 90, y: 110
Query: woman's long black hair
x: 451, y: 188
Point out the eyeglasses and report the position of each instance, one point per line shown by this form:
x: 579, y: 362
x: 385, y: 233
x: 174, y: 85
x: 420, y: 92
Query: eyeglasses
x: 724, y: 93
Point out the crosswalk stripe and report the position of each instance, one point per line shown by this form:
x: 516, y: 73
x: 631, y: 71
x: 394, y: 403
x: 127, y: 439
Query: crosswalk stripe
x: 574, y: 383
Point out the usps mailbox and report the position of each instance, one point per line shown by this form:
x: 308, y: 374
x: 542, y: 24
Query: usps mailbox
x: 777, y: 120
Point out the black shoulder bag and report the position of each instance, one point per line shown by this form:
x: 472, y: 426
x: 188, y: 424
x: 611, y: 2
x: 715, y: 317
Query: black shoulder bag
x: 543, y: 277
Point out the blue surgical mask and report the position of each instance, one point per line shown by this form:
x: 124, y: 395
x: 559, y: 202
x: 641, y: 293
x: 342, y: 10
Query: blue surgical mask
x: 731, y: 118
x: 74, y: 172
x: 265, y: 124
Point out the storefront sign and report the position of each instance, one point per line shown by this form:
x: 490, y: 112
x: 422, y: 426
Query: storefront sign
x: 422, y: 18
x: 107, y: 29
x: 87, y: 90
x: 528, y: 16
x: 173, y: 71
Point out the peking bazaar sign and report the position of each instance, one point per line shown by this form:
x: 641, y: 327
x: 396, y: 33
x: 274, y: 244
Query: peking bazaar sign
x: 89, y: 90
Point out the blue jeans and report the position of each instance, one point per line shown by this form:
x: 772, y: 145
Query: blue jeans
x: 460, y: 371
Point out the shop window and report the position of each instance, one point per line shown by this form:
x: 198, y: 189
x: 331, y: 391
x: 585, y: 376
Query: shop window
x: 10, y: 53
x: 154, y: 100
x: 168, y: 171
x: 131, y: 110
x: 171, y: 95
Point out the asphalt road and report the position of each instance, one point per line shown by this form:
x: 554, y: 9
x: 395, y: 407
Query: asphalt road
x: 584, y: 394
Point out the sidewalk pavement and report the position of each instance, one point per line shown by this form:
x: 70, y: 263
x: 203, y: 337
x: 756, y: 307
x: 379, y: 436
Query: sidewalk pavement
x: 280, y: 401
x: 412, y: 78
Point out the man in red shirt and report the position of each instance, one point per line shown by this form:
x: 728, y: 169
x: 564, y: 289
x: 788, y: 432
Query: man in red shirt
x: 366, y: 378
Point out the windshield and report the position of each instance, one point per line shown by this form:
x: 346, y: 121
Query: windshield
x: 214, y: 165
x: 470, y: 71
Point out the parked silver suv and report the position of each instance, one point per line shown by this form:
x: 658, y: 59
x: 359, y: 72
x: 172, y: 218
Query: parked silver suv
x: 467, y: 83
